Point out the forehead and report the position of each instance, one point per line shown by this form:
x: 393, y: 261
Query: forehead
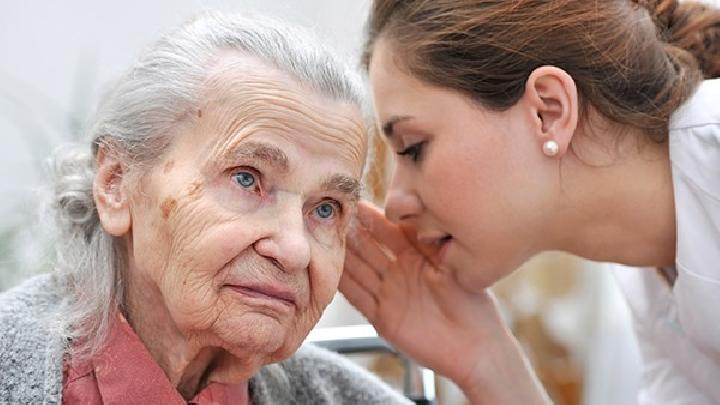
x: 245, y: 97
x: 398, y: 94
x: 392, y: 84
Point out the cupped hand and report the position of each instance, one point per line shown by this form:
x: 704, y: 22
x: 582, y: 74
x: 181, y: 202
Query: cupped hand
x: 414, y: 304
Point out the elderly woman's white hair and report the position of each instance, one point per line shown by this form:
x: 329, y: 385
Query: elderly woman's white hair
x: 136, y: 122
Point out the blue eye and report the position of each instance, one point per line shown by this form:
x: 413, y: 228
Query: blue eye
x: 245, y: 179
x: 325, y: 210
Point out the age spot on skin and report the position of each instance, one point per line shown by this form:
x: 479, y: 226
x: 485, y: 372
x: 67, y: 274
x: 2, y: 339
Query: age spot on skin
x: 195, y: 189
x: 168, y: 166
x: 199, y: 113
x: 168, y: 207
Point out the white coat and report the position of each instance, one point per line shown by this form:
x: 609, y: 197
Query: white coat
x: 678, y: 326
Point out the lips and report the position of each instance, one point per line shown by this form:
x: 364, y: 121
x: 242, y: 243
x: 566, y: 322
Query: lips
x: 434, y: 239
x: 270, y: 292
x: 437, y: 244
x: 444, y: 244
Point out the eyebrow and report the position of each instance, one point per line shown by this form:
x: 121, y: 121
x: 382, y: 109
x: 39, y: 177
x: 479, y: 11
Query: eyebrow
x: 389, y: 126
x: 340, y: 183
x: 260, y: 151
x: 274, y: 156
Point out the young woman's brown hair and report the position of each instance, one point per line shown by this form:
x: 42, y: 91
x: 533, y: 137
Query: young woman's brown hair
x: 631, y: 70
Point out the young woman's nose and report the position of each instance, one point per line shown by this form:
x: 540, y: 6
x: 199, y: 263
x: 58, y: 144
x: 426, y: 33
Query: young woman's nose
x: 402, y: 204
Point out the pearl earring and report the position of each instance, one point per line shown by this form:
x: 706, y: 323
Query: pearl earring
x: 550, y: 148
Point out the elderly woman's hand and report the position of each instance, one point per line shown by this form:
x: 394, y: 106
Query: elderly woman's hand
x: 425, y: 313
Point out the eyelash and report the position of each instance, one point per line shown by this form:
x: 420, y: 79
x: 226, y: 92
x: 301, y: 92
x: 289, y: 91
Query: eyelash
x: 414, y: 151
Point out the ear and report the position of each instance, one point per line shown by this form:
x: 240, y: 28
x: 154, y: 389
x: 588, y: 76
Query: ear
x: 111, y: 199
x: 552, y: 96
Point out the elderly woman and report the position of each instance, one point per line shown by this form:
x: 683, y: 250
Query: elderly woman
x: 204, y: 235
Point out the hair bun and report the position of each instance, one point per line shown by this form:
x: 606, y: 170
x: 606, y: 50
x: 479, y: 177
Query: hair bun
x: 662, y: 11
x: 691, y: 26
x: 695, y: 27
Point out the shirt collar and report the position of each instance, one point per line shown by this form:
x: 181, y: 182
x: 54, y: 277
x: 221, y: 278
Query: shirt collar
x: 126, y: 372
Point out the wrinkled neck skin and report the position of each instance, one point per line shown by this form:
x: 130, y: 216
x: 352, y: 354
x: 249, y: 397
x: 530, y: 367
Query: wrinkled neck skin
x: 189, y: 362
x: 615, y: 200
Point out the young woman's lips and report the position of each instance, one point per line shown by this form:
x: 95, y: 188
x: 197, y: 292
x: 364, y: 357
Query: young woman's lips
x: 444, y: 245
x: 269, y: 292
x: 438, y: 246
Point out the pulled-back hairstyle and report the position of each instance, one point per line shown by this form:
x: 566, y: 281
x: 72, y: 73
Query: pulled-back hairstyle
x: 635, y: 61
x: 137, y: 121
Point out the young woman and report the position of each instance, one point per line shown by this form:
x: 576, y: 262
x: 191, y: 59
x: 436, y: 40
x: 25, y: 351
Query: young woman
x: 531, y: 125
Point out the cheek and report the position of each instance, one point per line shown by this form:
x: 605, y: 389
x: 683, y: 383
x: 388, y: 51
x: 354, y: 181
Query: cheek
x: 203, y: 242
x: 328, y: 235
x: 470, y: 190
x: 486, y: 169
x: 325, y: 276
x: 328, y: 257
x: 151, y: 237
x: 448, y: 182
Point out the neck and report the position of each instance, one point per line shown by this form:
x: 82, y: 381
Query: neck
x: 618, y: 204
x: 189, y: 362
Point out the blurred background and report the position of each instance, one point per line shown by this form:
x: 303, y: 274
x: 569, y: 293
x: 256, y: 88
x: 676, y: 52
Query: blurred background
x: 57, y: 58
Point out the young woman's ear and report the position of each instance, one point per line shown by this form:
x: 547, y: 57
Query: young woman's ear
x: 552, y: 96
x: 111, y: 200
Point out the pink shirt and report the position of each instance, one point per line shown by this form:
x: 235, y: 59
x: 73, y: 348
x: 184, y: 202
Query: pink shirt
x: 124, y: 372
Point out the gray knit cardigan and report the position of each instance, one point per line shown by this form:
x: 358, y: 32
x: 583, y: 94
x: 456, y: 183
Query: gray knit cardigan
x: 32, y: 350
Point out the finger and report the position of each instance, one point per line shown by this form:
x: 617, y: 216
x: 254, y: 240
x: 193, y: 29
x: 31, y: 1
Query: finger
x: 410, y: 232
x: 368, y: 277
x: 358, y: 296
x: 384, y: 231
x: 364, y: 245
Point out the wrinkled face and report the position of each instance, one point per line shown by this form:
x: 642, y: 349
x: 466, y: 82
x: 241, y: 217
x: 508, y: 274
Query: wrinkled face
x: 469, y: 179
x: 241, y: 225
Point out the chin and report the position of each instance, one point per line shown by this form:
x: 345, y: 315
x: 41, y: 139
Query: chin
x: 257, y: 334
x: 473, y: 283
x: 479, y: 278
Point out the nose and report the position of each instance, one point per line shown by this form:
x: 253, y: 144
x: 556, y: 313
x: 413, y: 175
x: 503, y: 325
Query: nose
x: 402, y: 203
x: 287, y: 245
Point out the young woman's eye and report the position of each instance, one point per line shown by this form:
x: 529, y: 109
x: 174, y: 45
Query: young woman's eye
x: 245, y: 179
x: 327, y: 209
x: 414, y: 151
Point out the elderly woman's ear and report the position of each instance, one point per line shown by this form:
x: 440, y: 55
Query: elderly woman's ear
x: 110, y: 196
